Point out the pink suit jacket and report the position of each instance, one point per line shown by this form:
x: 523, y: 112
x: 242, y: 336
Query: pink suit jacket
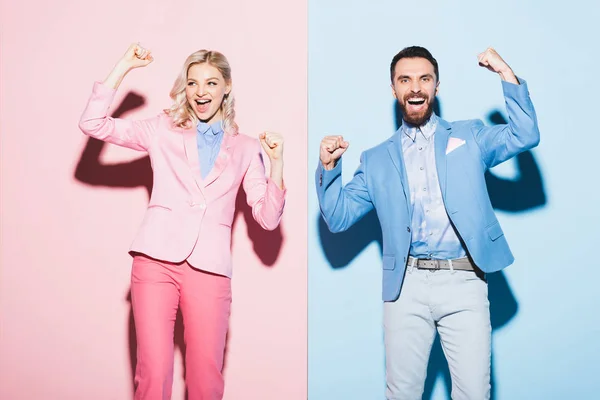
x: 188, y: 218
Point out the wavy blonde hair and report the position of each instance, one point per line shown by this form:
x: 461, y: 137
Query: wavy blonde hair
x: 182, y: 114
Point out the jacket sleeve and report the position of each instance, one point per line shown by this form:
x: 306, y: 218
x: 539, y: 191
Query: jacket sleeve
x: 263, y: 195
x: 501, y: 142
x: 96, y: 123
x: 342, y: 206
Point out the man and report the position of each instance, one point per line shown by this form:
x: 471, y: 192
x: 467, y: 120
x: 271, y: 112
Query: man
x: 440, y: 233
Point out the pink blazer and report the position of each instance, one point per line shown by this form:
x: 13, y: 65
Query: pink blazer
x: 188, y: 218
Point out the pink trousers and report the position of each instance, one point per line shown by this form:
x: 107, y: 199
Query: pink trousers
x: 158, y: 288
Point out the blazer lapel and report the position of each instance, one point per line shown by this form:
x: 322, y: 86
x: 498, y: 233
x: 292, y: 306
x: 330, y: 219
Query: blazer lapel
x: 225, y: 153
x: 442, y: 133
x: 395, y: 150
x: 190, y: 142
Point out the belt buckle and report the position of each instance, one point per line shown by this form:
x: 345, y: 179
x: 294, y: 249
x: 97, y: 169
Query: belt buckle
x: 435, y: 264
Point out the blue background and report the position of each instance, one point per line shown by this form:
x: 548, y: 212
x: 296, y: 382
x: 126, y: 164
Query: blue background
x: 545, y: 307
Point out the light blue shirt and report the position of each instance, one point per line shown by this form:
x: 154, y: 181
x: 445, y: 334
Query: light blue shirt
x: 433, y: 235
x: 209, y: 144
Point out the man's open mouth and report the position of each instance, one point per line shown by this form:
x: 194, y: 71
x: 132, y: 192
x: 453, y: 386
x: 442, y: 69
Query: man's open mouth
x: 416, y: 101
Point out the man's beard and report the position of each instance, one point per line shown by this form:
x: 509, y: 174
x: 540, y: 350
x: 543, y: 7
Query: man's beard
x: 418, y: 118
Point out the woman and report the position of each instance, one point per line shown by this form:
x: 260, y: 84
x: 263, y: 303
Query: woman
x: 181, y: 254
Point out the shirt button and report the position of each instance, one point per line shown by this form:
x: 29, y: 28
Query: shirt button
x: 420, y: 148
x: 421, y: 168
x: 424, y: 189
x: 408, y: 229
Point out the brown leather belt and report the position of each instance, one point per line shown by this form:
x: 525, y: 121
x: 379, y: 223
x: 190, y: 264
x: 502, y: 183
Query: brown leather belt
x: 460, y: 264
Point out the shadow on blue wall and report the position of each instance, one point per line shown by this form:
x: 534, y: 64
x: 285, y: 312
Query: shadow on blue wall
x: 524, y: 193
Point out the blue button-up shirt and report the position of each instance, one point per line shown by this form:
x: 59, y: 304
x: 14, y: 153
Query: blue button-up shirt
x: 433, y: 236
x: 209, y: 144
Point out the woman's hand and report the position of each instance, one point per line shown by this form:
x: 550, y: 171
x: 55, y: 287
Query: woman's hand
x: 135, y: 57
x: 272, y: 143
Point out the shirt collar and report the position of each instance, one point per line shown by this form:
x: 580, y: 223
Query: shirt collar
x: 427, y: 129
x: 215, y: 128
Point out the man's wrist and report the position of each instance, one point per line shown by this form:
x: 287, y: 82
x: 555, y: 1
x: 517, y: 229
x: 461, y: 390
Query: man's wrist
x: 507, y: 74
x: 329, y: 166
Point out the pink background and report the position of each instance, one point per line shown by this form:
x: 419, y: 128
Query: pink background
x: 68, y: 217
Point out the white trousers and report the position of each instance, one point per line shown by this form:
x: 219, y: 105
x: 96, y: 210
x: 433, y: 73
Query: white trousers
x: 453, y: 303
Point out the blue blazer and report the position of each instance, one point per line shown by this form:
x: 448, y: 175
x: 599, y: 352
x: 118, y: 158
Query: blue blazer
x: 381, y: 182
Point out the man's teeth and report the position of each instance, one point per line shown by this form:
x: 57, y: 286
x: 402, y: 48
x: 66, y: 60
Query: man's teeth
x: 416, y: 101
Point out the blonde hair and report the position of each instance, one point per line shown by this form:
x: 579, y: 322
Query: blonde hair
x: 182, y: 114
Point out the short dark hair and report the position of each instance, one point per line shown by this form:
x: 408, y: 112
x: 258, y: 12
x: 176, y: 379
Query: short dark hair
x: 414, y: 52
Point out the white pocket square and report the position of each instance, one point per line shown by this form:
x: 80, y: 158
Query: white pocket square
x: 453, y: 144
